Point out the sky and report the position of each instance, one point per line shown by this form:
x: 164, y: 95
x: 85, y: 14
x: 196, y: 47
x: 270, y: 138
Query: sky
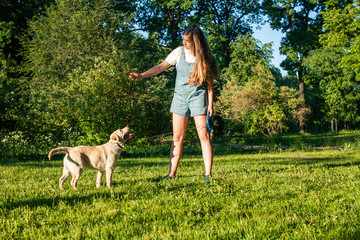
x: 267, y: 35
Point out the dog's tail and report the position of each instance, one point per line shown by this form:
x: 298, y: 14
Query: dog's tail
x: 58, y: 150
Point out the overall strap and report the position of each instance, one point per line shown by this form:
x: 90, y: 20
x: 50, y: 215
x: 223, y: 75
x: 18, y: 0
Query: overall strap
x: 182, y: 55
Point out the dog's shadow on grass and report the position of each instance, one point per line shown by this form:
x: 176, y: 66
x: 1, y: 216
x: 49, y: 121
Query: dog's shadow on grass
x: 67, y: 200
x: 70, y: 197
x: 40, y: 163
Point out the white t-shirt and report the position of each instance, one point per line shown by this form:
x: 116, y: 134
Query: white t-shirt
x: 174, y: 57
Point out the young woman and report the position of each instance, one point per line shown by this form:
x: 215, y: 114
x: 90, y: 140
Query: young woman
x: 196, y: 69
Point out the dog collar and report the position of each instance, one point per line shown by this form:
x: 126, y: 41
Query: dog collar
x: 119, y: 144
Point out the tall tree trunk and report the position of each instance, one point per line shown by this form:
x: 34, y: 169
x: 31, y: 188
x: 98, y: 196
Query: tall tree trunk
x: 301, y: 84
x: 173, y: 25
x: 334, y: 124
x: 302, y: 97
x: 226, y: 49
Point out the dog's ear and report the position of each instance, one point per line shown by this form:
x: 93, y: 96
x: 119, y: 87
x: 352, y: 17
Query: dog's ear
x: 114, y: 137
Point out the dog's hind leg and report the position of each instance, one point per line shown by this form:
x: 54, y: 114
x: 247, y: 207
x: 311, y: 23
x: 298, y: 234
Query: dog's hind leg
x: 63, y: 178
x: 99, y: 177
x: 66, y: 174
x: 74, y: 169
x: 75, y: 177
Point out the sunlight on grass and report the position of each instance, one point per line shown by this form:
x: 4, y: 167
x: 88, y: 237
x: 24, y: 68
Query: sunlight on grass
x: 291, y: 195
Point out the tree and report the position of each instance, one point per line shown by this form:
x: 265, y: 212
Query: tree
x: 250, y: 95
x: 165, y: 17
x: 224, y: 20
x: 247, y: 53
x: 342, y: 26
x: 13, y: 23
x: 302, y: 24
x: 103, y: 99
x: 339, y: 90
x: 78, y: 58
x: 334, y: 67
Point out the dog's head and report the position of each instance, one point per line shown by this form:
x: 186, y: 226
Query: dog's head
x: 121, y: 135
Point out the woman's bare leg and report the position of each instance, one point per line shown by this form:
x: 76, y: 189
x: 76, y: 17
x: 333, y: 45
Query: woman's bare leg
x: 206, y: 147
x: 179, y: 130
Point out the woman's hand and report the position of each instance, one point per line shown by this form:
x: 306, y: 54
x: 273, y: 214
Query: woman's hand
x: 210, y: 111
x: 151, y: 72
x: 135, y: 75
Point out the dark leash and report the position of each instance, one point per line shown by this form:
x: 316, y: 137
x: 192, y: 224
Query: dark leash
x: 166, y: 134
x: 209, y: 126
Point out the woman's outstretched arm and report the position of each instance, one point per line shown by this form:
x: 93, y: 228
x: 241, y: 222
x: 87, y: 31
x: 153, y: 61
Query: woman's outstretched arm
x: 152, y: 71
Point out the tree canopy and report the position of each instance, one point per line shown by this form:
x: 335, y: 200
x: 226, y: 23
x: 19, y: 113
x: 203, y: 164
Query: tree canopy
x: 64, y: 65
x: 250, y: 94
x: 334, y: 66
x: 301, y: 22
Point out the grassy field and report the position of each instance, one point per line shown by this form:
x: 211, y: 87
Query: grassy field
x: 290, y: 195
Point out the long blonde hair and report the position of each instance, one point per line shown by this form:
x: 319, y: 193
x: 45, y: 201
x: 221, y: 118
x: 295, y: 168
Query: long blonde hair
x: 205, y: 68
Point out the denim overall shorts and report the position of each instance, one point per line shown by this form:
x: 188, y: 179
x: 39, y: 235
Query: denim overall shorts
x: 188, y: 100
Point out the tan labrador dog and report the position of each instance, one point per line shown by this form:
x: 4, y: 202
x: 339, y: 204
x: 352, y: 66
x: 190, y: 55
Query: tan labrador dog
x: 102, y: 158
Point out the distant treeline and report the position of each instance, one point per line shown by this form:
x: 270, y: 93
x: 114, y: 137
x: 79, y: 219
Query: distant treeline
x: 64, y: 67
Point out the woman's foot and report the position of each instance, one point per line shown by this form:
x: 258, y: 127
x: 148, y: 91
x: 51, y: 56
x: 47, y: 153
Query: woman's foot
x: 167, y: 177
x: 207, y: 179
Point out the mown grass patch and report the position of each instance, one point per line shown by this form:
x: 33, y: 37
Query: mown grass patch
x: 299, y: 140
x: 291, y: 195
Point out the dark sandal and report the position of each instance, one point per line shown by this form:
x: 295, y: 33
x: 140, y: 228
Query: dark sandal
x: 167, y: 177
x: 207, y: 179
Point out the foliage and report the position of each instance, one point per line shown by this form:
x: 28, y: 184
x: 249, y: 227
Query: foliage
x: 13, y: 24
x: 262, y: 107
x: 79, y: 65
x: 302, y: 24
x: 7, y: 67
x: 114, y: 101
x: 252, y: 196
x: 223, y: 21
x: 64, y: 65
x: 330, y: 67
x: 339, y: 90
x: 250, y: 94
x: 166, y: 18
x: 69, y: 36
x: 247, y: 52
x: 343, y: 27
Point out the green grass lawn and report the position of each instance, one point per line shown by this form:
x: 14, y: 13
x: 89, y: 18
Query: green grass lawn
x: 290, y: 195
x: 299, y: 140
